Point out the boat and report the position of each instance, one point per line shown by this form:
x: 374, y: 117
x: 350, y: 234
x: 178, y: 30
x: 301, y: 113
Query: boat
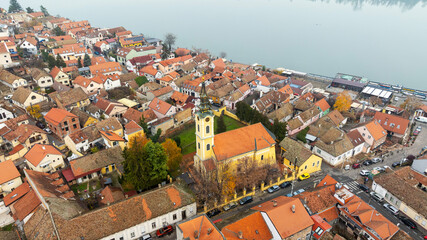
x: 397, y: 87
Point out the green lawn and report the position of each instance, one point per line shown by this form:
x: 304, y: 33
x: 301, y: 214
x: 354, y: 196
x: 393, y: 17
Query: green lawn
x: 188, y: 136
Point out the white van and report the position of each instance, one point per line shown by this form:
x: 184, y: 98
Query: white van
x: 421, y: 119
x: 377, y: 197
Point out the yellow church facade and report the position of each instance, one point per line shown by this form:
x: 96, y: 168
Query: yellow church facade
x: 231, y: 148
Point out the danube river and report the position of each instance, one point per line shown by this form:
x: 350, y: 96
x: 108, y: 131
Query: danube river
x: 383, y: 40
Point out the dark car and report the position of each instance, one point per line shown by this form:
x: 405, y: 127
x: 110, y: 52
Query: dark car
x: 408, y: 222
x: 356, y: 165
x: 213, y: 212
x: 246, y: 200
x: 364, y: 188
x: 40, y: 125
x: 396, y: 164
x: 164, y: 231
x: 368, y: 162
x: 285, y: 185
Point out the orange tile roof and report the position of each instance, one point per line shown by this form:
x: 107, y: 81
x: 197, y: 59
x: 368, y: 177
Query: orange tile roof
x: 179, y: 97
x: 26, y: 205
x: 286, y: 222
x: 54, y: 72
x: 132, y: 115
x: 327, y: 181
x: 132, y: 127
x: 250, y: 227
x: 111, y: 195
x: 264, y: 81
x: 149, y: 70
x: 36, y: 14
x: 57, y: 115
x: 99, y: 44
x: 8, y: 171
x: 16, y: 194
x: 112, y: 136
x: 244, y: 88
x: 39, y: 151
x: 400, y: 124
x: 105, y: 68
x: 329, y: 214
x: 159, y: 106
x: 319, y: 199
x: 250, y: 138
x: 219, y: 63
x: 322, y: 104
x: 162, y: 91
x: 376, y: 130
x: 201, y: 225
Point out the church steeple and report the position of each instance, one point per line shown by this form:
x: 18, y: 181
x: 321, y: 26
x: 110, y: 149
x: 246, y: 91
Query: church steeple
x: 205, y: 106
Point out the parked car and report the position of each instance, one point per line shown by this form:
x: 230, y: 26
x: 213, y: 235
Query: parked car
x: 367, y: 162
x: 213, y: 212
x: 246, y: 200
x: 396, y: 164
x: 273, y: 189
x: 347, y: 167
x: 40, y: 125
x: 47, y: 130
x: 304, y: 176
x: 285, y: 184
x: 299, y: 191
x: 146, y: 237
x: 376, y: 160
x: 376, y: 196
x: 391, y: 208
x: 230, y: 206
x: 379, y: 169
x: 364, y: 173
x: 408, y: 222
x: 416, y: 132
x: 164, y: 231
x: 356, y: 165
x: 364, y: 188
x: 419, y: 128
x: 8, y: 97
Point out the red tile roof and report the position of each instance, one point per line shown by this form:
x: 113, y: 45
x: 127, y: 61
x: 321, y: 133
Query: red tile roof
x: 39, y: 151
x: 132, y: 127
x: 57, y: 115
x: 8, y: 171
x: 322, y: 104
x: 112, y: 136
x: 133, y: 115
x: 179, y: 97
x: 159, y: 106
x: 106, y: 67
x: 392, y: 123
x: 264, y: 81
x: 250, y: 227
x: 375, y: 130
x: 327, y: 181
x: 16, y: 194
x: 26, y: 205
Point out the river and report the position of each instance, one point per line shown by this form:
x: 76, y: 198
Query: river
x: 383, y: 40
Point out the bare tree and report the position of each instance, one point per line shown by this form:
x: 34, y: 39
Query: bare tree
x: 223, y: 55
x: 170, y: 40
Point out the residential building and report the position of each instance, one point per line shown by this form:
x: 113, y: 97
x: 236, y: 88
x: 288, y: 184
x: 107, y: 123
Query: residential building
x: 133, y: 130
x: 111, y: 139
x: 110, y: 81
x: 161, y: 108
x: 9, y: 178
x: 403, y: 189
x: 373, y: 134
x: 29, y: 45
x: 237, y: 96
x: 298, y: 158
x: 41, y: 77
x: 24, y: 98
x: 76, y: 97
x: 321, y: 202
x: 62, y: 122
x: 270, y: 101
x: 150, y: 73
x: 397, y: 127
x: 303, y: 120
x: 323, y: 106
x: 5, y: 114
x: 11, y: 80
x: 44, y: 158
x: 83, y: 140
x: 198, y: 227
x: 163, y: 124
x: 251, y: 227
x: 107, y: 68
x: 90, y: 86
x: 286, y: 218
x: 110, y: 124
x: 5, y: 58
x: 125, y: 54
x: 283, y: 114
x: 101, y: 46
x: 85, y: 119
x: 111, y: 109
x: 337, y: 118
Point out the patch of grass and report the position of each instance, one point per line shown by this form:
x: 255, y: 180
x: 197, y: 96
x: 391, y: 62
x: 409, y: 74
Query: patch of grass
x: 7, y: 227
x: 79, y: 187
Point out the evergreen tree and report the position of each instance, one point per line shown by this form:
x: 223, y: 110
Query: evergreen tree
x: 60, y: 62
x: 86, y: 61
x: 51, y: 61
x: 158, y: 162
x: 79, y: 62
x: 29, y: 10
x: 45, y: 55
x: 58, y: 31
x: 221, y: 125
x: 279, y: 129
x: 136, y: 166
x: 14, y: 6
x: 44, y: 11
x: 144, y: 125
x: 155, y: 137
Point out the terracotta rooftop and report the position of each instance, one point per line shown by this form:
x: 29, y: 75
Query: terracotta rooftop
x: 392, y: 123
x: 16, y: 194
x: 319, y: 199
x: 159, y: 106
x: 26, y: 205
x: 375, y: 130
x: 48, y: 185
x: 327, y: 181
x: 111, y: 136
x: 110, y: 195
x: 8, y: 171
x: 322, y: 104
x: 94, y: 162
x: 250, y: 227
x: 132, y: 127
x: 57, y: 115
x: 39, y: 151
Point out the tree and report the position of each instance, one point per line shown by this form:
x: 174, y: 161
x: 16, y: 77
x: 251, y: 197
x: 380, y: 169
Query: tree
x: 221, y: 127
x: 59, y: 61
x: 170, y: 40
x: 51, y: 61
x: 144, y: 125
x: 250, y: 174
x: 34, y: 111
x: 411, y: 104
x: 165, y: 51
x: 79, y: 62
x: 14, y: 6
x: 174, y: 155
x: 302, y: 134
x: 58, y: 31
x: 222, y: 54
x: 228, y: 182
x: 157, y: 158
x: 343, y: 102
x: 279, y: 129
x: 86, y: 60
x: 155, y: 137
x: 44, y: 11
x: 137, y: 166
x: 29, y: 10
x: 45, y: 55
x: 140, y: 80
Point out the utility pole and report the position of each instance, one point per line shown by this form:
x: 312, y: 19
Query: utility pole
x: 292, y: 183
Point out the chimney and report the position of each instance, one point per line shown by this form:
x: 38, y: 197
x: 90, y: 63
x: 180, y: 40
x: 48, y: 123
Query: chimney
x: 274, y: 203
x: 44, y: 148
x: 26, y: 129
x: 209, y: 231
x: 196, y: 234
x: 293, y: 208
x: 240, y: 235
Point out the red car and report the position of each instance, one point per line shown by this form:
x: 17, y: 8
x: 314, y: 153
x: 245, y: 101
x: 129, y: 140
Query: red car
x: 164, y: 231
x: 356, y: 165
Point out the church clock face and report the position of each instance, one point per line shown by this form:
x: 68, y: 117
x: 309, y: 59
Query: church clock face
x: 207, y: 119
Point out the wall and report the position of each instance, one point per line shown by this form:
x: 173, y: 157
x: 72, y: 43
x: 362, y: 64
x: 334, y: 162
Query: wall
x: 312, y: 164
x: 12, y: 184
x: 56, y: 162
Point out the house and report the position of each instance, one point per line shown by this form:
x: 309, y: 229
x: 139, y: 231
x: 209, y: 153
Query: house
x: 136, y: 63
x: 337, y: 118
x: 162, y: 124
x: 62, y: 122
x: 179, y: 98
x: 270, y: 101
x: 421, y: 111
x: 198, y: 227
x: 8, y: 201
x: 101, y: 46
x: 110, y: 124
x: 238, y: 95
x: 11, y: 80
x: 72, y: 51
x: 361, y: 219
x: 283, y: 114
x: 323, y: 106
x: 163, y: 93
x: 288, y: 90
x: 132, y: 115
x: 29, y: 45
x: 176, y: 205
x: 44, y: 158
x: 150, y: 73
x: 261, y: 84
x: 251, y: 227
x: 5, y: 114
x: 161, y: 108
x: 359, y: 144
x: 9, y: 178
x: 92, y: 165
x: 403, y: 189
x: 133, y: 130
x: 286, y: 218
x: 5, y: 58
x: 24, y: 98
x: 373, y: 134
x: 298, y: 158
x: 110, y: 81
x: 320, y: 226
x: 107, y: 68
x: 83, y: 140
x: 111, y: 109
x: 125, y: 54
x: 132, y: 41
x: 89, y: 86
x: 300, y: 87
x: 41, y: 77
x: 303, y: 120
x: 109, y: 195
x: 85, y: 119
x: 397, y: 127
x: 183, y: 116
x: 111, y: 139
x: 76, y: 97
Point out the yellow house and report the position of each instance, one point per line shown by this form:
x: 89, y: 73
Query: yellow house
x: 111, y: 139
x: 252, y: 142
x: 133, y: 130
x: 297, y: 157
x: 9, y: 178
x: 85, y: 119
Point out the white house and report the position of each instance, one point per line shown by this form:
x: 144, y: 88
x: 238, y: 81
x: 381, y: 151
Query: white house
x: 10, y: 178
x: 41, y: 77
x: 335, y: 147
x: 30, y: 45
x: 44, y: 158
x: 161, y: 108
x: 111, y: 81
x: 4, y: 55
x: 24, y: 98
x: 11, y: 80
x: 5, y: 115
x: 89, y: 86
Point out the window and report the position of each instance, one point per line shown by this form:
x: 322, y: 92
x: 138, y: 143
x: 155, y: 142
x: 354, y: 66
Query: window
x: 174, y: 217
x: 208, y: 147
x: 132, y: 234
x: 198, y: 127
x: 262, y: 157
x: 305, y: 167
x: 314, y: 164
x: 10, y: 183
x: 121, y: 238
x: 74, y: 125
x: 33, y: 97
x: 66, y: 129
x: 73, y: 120
x: 319, y: 231
x: 319, y: 151
x: 153, y: 225
x: 198, y: 145
x: 207, y: 129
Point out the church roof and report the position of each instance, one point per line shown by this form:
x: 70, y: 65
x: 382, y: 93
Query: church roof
x: 242, y: 140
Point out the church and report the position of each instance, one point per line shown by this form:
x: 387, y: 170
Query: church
x: 254, y: 142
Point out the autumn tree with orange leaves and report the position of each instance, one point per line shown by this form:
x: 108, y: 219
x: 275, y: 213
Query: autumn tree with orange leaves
x: 343, y: 102
x: 174, y: 155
